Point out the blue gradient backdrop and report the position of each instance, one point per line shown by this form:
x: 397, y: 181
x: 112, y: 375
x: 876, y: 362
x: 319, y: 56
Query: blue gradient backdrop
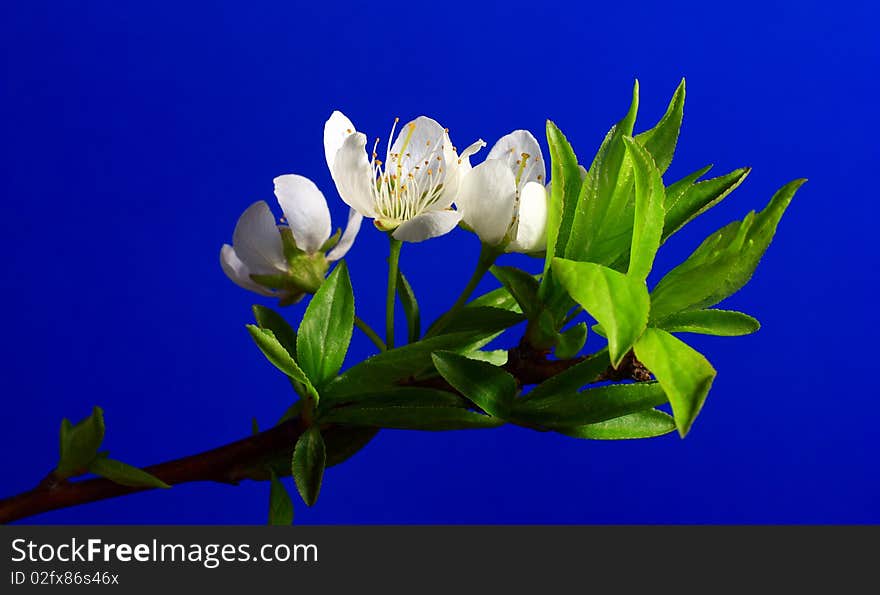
x: 134, y: 135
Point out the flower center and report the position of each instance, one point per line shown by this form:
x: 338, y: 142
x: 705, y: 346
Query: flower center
x: 411, y: 179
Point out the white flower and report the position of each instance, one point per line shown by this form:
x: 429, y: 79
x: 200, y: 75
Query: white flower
x: 504, y: 199
x: 286, y: 260
x: 412, y: 191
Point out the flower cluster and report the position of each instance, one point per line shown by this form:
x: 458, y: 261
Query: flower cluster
x: 423, y: 188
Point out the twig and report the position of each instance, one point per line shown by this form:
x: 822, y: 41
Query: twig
x: 240, y: 460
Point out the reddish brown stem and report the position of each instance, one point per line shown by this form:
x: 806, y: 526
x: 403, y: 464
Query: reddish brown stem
x: 238, y: 460
x: 226, y: 464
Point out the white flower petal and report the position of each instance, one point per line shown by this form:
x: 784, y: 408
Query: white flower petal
x: 238, y: 272
x: 510, y: 149
x: 348, y: 236
x: 305, y: 209
x: 257, y: 241
x: 354, y: 176
x: 487, y: 199
x: 464, y: 158
x: 427, y: 225
x: 458, y: 167
x: 531, y: 226
x: 337, y: 128
x: 420, y: 150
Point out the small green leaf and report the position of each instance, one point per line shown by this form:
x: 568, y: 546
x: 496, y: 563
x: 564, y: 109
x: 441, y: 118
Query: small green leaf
x: 572, y: 379
x: 309, y: 458
x: 685, y: 200
x: 387, y: 368
x: 641, y: 424
x: 326, y: 328
x: 723, y: 263
x: 278, y: 356
x: 590, y: 406
x: 280, y: 504
x: 648, y: 222
x: 79, y: 443
x: 660, y: 140
x: 410, y: 308
x: 685, y: 375
x: 268, y: 318
x: 571, y: 341
x: 489, y: 387
x: 411, y: 417
x: 123, y: 474
x: 723, y: 323
x: 521, y: 285
x: 602, y: 226
x: 564, y: 191
x: 618, y: 302
x: 497, y: 298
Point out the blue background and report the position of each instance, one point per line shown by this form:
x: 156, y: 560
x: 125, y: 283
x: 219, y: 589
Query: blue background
x: 135, y: 135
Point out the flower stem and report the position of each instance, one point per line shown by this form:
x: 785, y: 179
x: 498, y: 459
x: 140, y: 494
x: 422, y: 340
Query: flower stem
x: 393, y: 267
x: 488, y: 254
x: 370, y: 333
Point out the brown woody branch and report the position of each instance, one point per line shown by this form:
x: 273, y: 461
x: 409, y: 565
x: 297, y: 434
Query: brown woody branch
x: 236, y: 461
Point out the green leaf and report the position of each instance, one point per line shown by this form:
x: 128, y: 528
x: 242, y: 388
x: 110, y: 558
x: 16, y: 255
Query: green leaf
x: 571, y: 341
x: 603, y: 220
x: 343, y: 442
x: 123, y: 474
x: 278, y: 356
x: 660, y: 140
x: 280, y: 504
x: 723, y: 323
x: 641, y: 424
x: 723, y: 263
x: 411, y: 417
x: 590, y: 406
x: 79, y: 443
x: 326, y: 328
x: 685, y: 375
x: 395, y: 396
x: 572, y: 379
x: 685, y: 200
x: 489, y: 387
x: 388, y: 368
x: 481, y: 320
x: 618, y: 302
x: 410, y: 308
x: 268, y: 318
x: 521, y: 285
x: 564, y: 191
x: 497, y: 298
x: 496, y: 357
x: 543, y: 332
x: 309, y: 458
x: 648, y: 222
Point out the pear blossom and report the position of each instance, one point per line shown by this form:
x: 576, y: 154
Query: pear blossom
x: 504, y: 199
x: 411, y: 192
x: 286, y: 261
